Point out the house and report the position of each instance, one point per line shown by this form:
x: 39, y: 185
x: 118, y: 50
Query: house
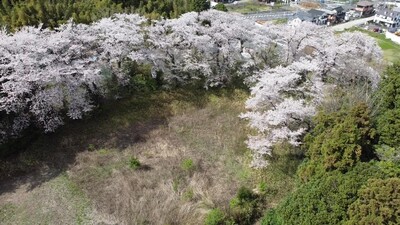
x: 328, y: 16
x: 303, y: 16
x: 318, y: 16
x: 339, y: 13
x: 390, y: 3
x: 388, y: 17
x: 365, y: 8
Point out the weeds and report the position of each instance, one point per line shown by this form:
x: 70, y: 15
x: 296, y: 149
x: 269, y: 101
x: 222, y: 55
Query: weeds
x: 134, y: 163
x: 188, y: 195
x: 215, y: 217
x: 188, y: 165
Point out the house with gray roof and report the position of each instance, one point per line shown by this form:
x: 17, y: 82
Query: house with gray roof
x: 388, y: 17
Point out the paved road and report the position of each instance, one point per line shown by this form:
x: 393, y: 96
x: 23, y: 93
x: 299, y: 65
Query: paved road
x: 350, y: 24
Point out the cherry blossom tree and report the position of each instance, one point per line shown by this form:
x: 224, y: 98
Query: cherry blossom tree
x: 47, y: 75
x: 283, y: 99
x: 214, y: 46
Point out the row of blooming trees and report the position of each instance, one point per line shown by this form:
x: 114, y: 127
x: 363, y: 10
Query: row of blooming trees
x: 46, y: 76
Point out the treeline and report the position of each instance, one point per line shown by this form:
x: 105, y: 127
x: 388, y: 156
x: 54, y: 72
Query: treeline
x: 351, y: 173
x: 52, y: 13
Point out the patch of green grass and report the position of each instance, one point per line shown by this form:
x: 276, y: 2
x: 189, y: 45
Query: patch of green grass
x: 188, y: 195
x: 57, y: 200
x: 7, y: 211
x: 281, y: 21
x: 262, y: 187
x: 215, y: 217
x: 78, y: 198
x: 188, y: 165
x: 134, y: 163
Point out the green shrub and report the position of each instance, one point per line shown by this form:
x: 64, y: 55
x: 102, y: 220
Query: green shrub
x: 140, y: 77
x: 245, y: 195
x: 388, y: 102
x: 188, y: 165
x: 134, y: 163
x: 215, y: 217
x: 245, y: 207
x: 377, y: 203
x: 188, y: 195
x: 326, y: 199
x: 271, y: 218
x: 338, y: 141
x: 221, y: 7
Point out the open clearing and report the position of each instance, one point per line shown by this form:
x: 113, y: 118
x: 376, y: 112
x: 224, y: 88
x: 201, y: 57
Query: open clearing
x: 191, y: 150
x: 192, y: 154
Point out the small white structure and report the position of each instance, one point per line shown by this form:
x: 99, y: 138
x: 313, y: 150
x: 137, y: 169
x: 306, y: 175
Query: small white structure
x: 295, y: 22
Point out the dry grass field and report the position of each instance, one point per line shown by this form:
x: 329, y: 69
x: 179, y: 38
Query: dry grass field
x: 190, y: 148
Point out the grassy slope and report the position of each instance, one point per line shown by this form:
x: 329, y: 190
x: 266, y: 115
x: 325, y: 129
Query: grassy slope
x: 81, y: 173
x: 391, y: 50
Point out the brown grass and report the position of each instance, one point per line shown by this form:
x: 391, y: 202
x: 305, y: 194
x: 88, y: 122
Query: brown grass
x: 310, y: 5
x: 162, y: 131
x: 163, y: 192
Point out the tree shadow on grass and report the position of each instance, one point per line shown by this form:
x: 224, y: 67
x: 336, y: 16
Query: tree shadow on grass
x: 38, y: 158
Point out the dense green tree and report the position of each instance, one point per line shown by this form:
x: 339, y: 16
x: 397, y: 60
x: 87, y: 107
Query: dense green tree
x: 378, y: 203
x: 51, y: 13
x: 388, y: 118
x: 338, y: 141
x: 200, y: 5
x: 326, y: 200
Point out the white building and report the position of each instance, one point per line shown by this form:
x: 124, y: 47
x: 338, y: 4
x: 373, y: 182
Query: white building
x: 389, y: 18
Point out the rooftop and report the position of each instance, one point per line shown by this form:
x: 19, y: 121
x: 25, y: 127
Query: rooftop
x: 388, y: 12
x: 315, y: 12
